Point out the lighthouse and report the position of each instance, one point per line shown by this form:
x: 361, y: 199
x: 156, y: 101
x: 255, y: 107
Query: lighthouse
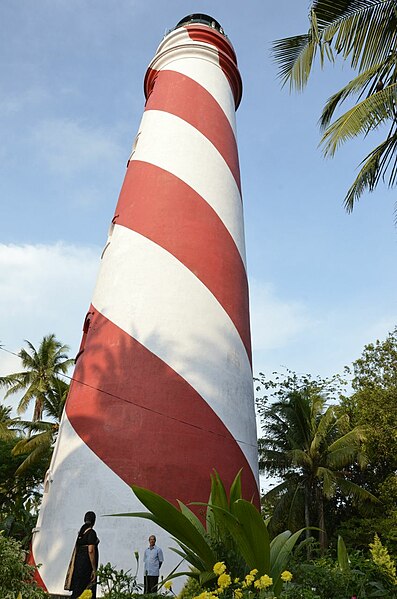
x: 162, y: 389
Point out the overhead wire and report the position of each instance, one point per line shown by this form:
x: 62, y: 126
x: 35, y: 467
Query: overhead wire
x: 146, y: 408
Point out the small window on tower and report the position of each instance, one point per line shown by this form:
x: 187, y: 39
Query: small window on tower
x: 110, y: 233
x: 86, y: 326
x: 134, y: 145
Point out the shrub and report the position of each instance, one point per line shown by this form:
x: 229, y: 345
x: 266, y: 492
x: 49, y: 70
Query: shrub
x: 234, y: 532
x: 190, y: 589
x: 117, y: 584
x: 323, y: 578
x: 15, y: 575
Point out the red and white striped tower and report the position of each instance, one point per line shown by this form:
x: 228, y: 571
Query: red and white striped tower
x: 162, y: 391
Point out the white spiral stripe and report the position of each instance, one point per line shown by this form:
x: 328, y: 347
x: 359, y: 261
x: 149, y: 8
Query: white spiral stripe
x: 167, y: 309
x: 98, y: 489
x: 196, y: 161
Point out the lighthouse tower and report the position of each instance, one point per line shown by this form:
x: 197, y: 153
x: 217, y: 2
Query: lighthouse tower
x: 162, y: 390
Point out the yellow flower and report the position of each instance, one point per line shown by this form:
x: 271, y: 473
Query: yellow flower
x: 254, y: 572
x: 168, y: 585
x: 238, y: 594
x: 205, y: 595
x: 249, y: 579
x: 236, y: 580
x: 219, y: 568
x: 263, y: 582
x: 86, y: 594
x: 224, y: 581
x: 286, y: 576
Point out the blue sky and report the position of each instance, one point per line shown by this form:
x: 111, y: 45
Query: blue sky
x: 322, y: 282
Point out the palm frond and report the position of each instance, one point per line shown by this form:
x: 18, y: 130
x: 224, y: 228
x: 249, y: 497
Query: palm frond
x: 364, y: 30
x: 354, y: 491
x: 28, y: 445
x: 295, y: 56
x: 323, y: 429
x: 328, y: 479
x: 374, y: 167
x: 360, y: 119
x: 300, y: 458
x: 35, y: 456
x: 356, y: 86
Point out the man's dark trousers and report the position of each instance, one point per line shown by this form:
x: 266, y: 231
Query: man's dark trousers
x: 150, y: 584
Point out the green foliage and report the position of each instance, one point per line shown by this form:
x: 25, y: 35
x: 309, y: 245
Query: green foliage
x: 374, y: 400
x: 310, y: 447
x: 26, y: 447
x: 324, y: 579
x: 231, y: 523
x: 39, y: 442
x: 361, y: 32
x: 117, y: 584
x: 8, y: 425
x: 374, y: 397
x: 41, y: 366
x: 382, y: 559
x: 190, y: 589
x: 19, y: 494
x: 343, y: 558
x: 16, y: 576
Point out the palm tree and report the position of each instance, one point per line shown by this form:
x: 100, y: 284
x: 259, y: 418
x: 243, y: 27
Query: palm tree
x: 8, y: 425
x: 363, y: 32
x: 311, y: 449
x: 41, y: 369
x: 41, y: 442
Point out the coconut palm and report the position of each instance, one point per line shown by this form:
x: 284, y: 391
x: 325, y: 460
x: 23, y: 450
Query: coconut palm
x: 363, y: 32
x: 42, y: 433
x: 9, y: 426
x: 41, y: 368
x: 311, y: 449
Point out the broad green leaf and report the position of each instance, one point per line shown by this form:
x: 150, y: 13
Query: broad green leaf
x: 218, y: 492
x: 253, y: 547
x: 280, y: 550
x: 174, y: 522
x: 256, y: 533
x: 235, y: 490
x: 343, y: 558
x: 190, y: 557
x: 192, y: 517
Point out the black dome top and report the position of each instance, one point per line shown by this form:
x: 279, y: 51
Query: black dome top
x: 201, y: 18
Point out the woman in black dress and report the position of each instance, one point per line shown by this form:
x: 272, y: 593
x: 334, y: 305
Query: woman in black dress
x: 86, y: 558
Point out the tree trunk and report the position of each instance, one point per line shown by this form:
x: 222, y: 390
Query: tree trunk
x: 307, y: 519
x: 321, y: 522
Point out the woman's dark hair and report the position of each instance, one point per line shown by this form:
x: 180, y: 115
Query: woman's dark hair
x: 89, y: 521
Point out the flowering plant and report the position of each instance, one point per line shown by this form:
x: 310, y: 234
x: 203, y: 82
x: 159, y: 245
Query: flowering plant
x: 251, y: 587
x: 233, y: 527
x: 87, y: 594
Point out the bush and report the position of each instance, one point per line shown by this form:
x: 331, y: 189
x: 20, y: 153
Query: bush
x: 117, y: 584
x: 15, y: 575
x: 190, y: 589
x: 323, y: 578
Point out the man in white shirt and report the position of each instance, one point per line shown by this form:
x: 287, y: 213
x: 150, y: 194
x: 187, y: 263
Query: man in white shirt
x: 152, y: 560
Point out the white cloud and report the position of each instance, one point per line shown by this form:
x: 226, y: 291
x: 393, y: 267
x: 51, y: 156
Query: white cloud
x: 275, y: 321
x: 43, y: 289
x: 69, y: 147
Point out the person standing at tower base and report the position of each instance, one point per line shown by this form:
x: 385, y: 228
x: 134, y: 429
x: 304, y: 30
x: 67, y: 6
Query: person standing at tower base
x: 152, y: 560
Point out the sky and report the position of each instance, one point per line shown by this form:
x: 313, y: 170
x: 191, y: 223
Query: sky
x: 322, y: 282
